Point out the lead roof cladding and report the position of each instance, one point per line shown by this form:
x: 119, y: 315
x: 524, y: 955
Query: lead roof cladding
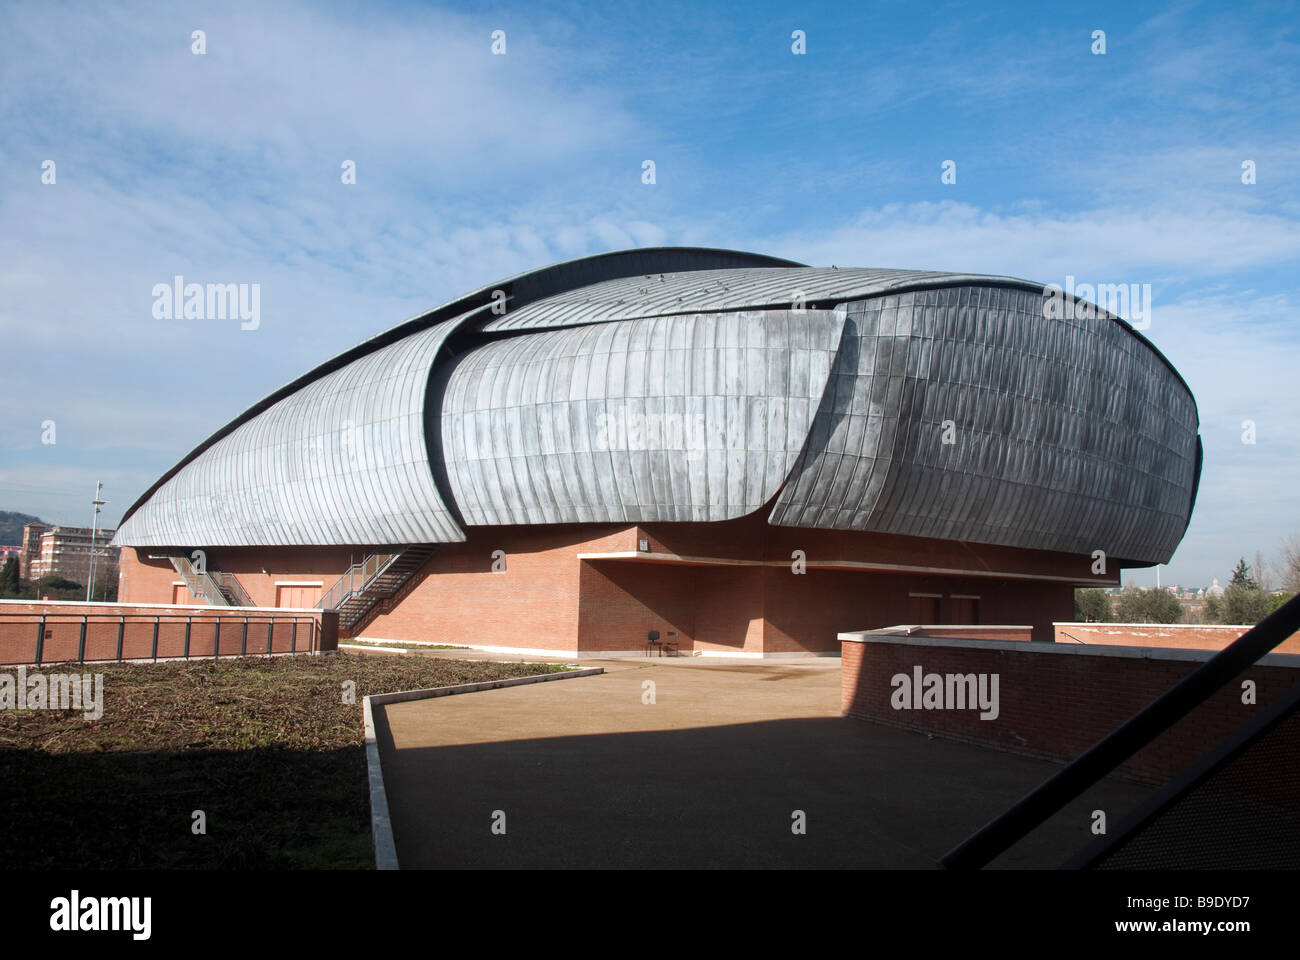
x: 165, y: 516
x: 1073, y: 435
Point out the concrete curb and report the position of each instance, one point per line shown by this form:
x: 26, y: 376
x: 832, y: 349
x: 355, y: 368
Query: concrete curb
x: 380, y: 824
x: 371, y: 646
x: 381, y: 827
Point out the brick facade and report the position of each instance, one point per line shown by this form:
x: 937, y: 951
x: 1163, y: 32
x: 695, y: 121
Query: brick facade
x: 259, y: 569
x: 196, y: 632
x: 1056, y: 701
x: 721, y: 588
x: 1185, y: 636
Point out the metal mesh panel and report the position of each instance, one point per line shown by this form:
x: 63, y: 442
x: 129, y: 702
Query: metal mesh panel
x: 1244, y: 816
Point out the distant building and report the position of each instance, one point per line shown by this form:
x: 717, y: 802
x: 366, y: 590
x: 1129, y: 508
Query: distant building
x: 30, y: 548
x: 56, y: 551
x: 10, y: 550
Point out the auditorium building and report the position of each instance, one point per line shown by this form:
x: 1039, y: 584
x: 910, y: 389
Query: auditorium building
x: 743, y: 454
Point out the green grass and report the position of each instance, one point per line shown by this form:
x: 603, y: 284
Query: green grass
x: 266, y: 748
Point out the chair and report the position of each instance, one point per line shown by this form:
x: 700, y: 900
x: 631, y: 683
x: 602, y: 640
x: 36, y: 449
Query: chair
x: 654, y: 642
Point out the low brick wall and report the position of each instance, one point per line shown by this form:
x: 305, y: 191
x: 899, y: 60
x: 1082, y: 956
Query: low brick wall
x: 1178, y: 636
x: 1055, y: 700
x: 960, y: 631
x: 65, y: 630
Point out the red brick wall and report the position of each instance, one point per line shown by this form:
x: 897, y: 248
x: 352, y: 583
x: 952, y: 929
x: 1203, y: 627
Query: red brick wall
x: 1006, y: 633
x: 1054, y: 704
x: 753, y: 538
x: 713, y: 610
x: 458, y: 599
x: 104, y: 621
x: 621, y: 602
x: 767, y: 609
x: 141, y: 580
x: 729, y: 610
x: 807, y: 611
x: 549, y: 599
x: 150, y: 581
x: 1184, y: 636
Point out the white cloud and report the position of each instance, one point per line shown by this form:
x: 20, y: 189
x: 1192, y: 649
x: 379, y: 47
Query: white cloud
x: 1108, y: 244
x: 1237, y: 352
x: 473, y: 167
x: 291, y: 85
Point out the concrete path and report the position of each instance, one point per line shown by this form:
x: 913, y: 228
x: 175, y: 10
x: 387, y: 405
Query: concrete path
x: 708, y: 775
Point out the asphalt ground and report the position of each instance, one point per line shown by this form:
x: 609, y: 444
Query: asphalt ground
x: 585, y: 773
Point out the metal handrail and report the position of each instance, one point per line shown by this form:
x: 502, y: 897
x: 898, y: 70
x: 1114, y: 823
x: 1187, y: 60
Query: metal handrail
x: 187, y: 573
x: 46, y: 619
x: 228, y: 582
x: 358, y: 577
x: 996, y: 837
x: 200, y: 583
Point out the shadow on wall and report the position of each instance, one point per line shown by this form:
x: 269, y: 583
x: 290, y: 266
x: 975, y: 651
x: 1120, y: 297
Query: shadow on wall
x: 1056, y: 703
x: 620, y: 602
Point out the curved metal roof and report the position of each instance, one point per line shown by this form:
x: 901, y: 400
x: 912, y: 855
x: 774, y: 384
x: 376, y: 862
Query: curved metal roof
x: 341, y: 461
x: 1075, y: 435
x: 1064, y: 436
x: 744, y: 288
x: 522, y: 288
x: 751, y: 288
x: 695, y: 417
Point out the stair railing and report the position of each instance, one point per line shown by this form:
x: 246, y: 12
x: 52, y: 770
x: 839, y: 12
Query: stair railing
x: 200, y: 583
x: 357, y: 578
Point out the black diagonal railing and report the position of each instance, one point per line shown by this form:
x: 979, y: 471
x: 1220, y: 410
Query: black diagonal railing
x: 995, y: 838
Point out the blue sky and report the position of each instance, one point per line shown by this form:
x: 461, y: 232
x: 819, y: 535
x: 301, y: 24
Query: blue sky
x: 225, y: 167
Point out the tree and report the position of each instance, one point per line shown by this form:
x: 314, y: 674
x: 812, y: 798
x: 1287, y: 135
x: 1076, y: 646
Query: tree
x: 1148, y: 606
x: 9, y: 585
x: 1241, y: 576
x: 1245, y: 604
x: 1290, y: 571
x: 1260, y: 572
x: 1092, y: 606
x: 60, y: 588
x: 1214, y: 609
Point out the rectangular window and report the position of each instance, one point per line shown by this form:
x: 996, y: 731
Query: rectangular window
x: 923, y: 608
x: 964, y: 609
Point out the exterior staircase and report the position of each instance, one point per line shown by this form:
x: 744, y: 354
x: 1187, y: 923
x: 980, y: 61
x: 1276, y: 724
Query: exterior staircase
x: 217, y: 587
x: 367, y: 584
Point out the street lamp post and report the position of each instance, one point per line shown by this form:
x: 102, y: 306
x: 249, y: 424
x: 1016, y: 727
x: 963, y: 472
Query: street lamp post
x: 94, y: 530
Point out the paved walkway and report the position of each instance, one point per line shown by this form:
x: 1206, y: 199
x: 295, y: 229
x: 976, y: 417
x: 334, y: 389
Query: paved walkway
x: 706, y: 776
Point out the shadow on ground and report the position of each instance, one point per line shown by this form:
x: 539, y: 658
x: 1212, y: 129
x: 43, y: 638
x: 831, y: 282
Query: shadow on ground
x: 265, y: 809
x: 719, y: 796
